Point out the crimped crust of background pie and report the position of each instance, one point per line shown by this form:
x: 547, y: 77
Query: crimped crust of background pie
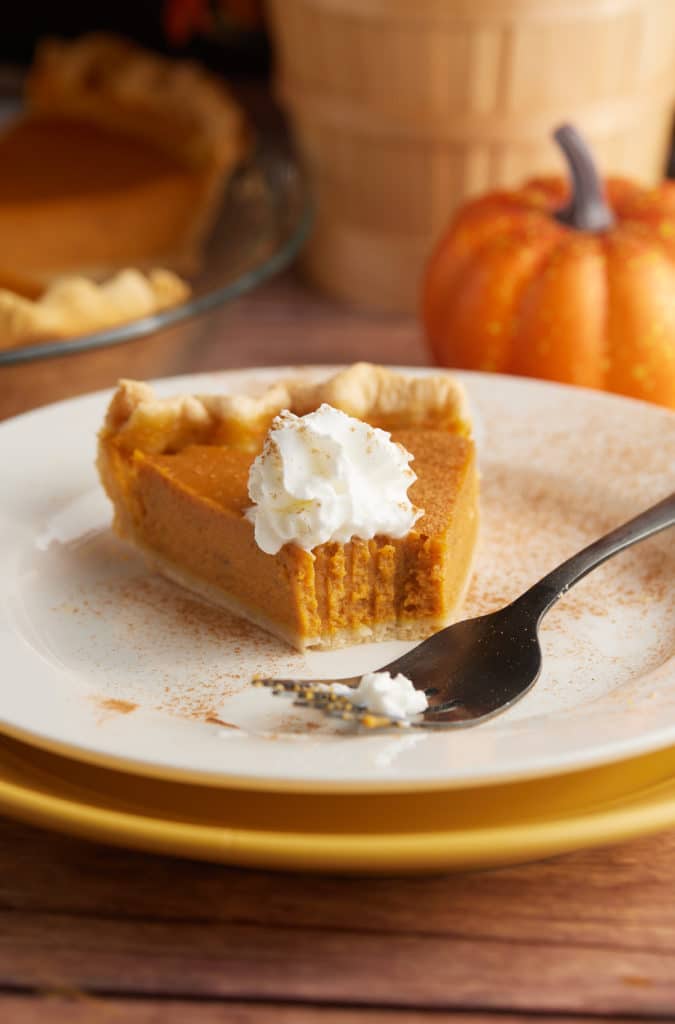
x: 76, y: 305
x: 138, y: 419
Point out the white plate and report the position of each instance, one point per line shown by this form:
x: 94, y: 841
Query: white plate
x: 107, y: 662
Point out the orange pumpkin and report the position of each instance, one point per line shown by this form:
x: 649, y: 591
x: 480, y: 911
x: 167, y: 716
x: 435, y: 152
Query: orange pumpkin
x: 573, y: 283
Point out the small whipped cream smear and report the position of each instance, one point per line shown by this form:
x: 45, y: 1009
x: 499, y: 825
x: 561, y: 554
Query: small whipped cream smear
x: 326, y: 477
x: 384, y: 694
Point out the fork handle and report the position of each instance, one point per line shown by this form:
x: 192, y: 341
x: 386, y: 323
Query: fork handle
x: 551, y: 588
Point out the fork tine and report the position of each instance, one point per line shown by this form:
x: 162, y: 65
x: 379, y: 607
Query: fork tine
x: 316, y: 694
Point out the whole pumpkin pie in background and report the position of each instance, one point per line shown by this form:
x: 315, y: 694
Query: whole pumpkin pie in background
x: 177, y: 472
x: 120, y: 161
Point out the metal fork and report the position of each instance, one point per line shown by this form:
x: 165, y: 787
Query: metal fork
x: 477, y: 668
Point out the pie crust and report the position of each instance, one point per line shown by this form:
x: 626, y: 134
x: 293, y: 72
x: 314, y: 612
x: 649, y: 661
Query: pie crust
x: 76, y: 305
x: 137, y: 418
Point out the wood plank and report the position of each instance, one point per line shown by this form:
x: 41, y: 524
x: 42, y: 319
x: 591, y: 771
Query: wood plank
x: 186, y: 959
x: 287, y: 323
x: 77, y: 1010
x: 83, y: 1009
x: 282, y: 323
x: 623, y: 893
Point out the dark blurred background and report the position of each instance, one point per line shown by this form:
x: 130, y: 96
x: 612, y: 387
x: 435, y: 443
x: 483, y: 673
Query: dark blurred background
x: 228, y: 37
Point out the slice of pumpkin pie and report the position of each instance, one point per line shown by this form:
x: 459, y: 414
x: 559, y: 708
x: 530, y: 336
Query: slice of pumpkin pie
x: 329, y: 514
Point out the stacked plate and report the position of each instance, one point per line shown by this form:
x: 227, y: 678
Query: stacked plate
x: 128, y: 717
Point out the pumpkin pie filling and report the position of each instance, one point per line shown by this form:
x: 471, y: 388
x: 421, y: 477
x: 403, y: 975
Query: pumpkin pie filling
x: 184, y: 505
x: 78, y: 198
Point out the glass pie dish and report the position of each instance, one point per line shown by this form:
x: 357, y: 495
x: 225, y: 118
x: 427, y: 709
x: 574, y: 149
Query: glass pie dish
x: 264, y: 219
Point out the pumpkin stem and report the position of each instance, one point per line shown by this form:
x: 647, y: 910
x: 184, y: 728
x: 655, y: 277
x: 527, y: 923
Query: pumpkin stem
x: 587, y: 209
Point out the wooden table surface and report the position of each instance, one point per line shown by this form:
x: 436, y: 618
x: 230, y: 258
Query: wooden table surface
x: 89, y: 932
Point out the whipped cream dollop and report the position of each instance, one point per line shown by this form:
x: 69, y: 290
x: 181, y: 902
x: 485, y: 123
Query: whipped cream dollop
x: 325, y: 477
x: 384, y: 694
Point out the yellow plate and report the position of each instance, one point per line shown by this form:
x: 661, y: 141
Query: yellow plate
x: 376, y: 834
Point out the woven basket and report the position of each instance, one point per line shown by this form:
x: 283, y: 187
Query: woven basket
x: 404, y: 108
